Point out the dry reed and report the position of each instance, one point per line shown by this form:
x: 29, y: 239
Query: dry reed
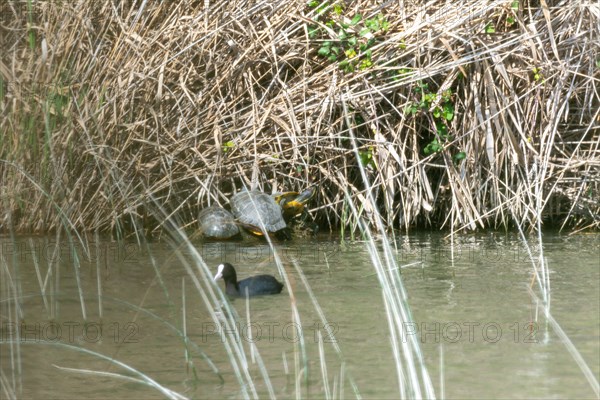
x: 108, y: 104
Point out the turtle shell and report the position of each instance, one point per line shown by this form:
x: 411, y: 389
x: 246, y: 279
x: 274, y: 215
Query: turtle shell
x: 217, y: 223
x: 252, y: 207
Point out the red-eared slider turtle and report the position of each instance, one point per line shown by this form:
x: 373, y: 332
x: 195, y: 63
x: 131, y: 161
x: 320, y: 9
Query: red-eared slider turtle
x: 217, y: 223
x: 292, y: 203
x: 252, y: 207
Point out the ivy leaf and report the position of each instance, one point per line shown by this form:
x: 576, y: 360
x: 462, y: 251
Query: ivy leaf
x: 324, y: 51
x: 350, y: 53
x: 228, y: 146
x: 385, y: 25
x: 459, y: 156
x: 364, y: 64
x: 364, y: 32
x: 448, y: 112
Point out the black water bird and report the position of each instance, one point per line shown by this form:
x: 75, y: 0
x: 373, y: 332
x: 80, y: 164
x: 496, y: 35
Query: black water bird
x: 254, y: 286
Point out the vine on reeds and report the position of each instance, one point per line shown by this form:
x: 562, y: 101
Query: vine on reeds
x: 440, y: 109
x: 345, y: 40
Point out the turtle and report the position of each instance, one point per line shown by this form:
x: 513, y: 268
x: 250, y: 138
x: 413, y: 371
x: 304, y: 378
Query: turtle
x: 292, y: 203
x: 253, y: 209
x: 217, y: 223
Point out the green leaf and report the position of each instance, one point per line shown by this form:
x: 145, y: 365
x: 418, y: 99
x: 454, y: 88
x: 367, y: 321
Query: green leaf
x: 364, y: 64
x: 352, y: 41
x: 364, y: 32
x: 429, y: 97
x: 313, y: 4
x: 228, y: 146
x: 412, y: 109
x: 324, y: 51
x: 385, y: 25
x: 335, y: 50
x: 449, y: 115
x: 356, y: 19
x: 490, y: 28
x: 366, y: 157
x: 515, y: 5
x: 432, y: 147
x: 372, y: 24
x: 346, y: 66
x: 350, y: 53
x: 338, y: 9
x: 448, y: 111
x: 459, y: 156
x: 332, y: 57
x: 442, y: 130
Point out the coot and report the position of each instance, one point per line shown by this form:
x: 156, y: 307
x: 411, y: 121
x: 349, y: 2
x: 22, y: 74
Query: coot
x: 255, y: 286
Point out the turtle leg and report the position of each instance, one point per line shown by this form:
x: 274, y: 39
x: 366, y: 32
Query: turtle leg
x: 310, y: 225
x: 284, y: 234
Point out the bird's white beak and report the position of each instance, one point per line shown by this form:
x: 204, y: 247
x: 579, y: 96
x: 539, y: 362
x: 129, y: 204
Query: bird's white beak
x: 219, y: 274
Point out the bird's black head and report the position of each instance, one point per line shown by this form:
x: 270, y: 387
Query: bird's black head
x: 227, y: 272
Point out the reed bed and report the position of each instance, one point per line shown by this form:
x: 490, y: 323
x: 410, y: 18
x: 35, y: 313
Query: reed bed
x: 459, y: 110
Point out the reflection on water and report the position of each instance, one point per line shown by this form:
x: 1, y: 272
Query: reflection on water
x: 469, y: 301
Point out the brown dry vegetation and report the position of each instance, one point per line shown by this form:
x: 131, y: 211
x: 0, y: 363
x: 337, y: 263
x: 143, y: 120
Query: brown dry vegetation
x: 112, y: 109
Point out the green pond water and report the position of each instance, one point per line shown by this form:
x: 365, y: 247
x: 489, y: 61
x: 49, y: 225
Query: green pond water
x: 481, y: 333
